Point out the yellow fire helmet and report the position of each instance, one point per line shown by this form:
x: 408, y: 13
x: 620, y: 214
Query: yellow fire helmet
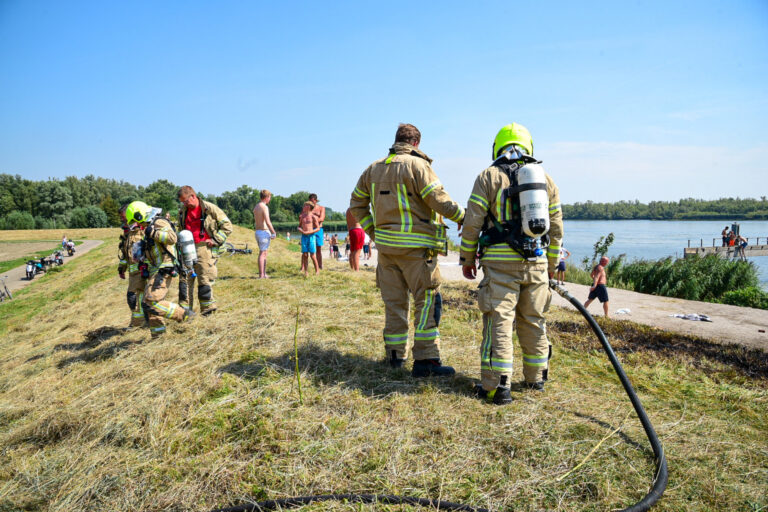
x: 137, y: 212
x: 512, y: 134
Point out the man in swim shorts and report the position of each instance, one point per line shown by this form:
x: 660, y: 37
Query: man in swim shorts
x: 355, y: 241
x: 598, y: 289
x: 264, y: 231
x: 319, y: 212
x: 308, y: 226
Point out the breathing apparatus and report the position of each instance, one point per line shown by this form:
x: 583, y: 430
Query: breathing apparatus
x: 524, y: 221
x: 188, y: 252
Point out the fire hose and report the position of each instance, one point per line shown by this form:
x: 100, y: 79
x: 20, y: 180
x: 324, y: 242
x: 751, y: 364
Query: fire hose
x: 651, y: 497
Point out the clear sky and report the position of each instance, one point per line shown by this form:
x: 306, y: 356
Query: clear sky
x: 625, y: 100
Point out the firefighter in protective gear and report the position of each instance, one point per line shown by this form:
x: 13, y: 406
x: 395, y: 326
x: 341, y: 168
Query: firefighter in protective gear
x: 136, y: 283
x: 400, y: 203
x: 159, y: 253
x: 515, y: 288
x: 210, y: 227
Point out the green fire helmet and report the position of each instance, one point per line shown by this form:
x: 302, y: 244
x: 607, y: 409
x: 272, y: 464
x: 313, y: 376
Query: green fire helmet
x: 512, y: 134
x: 137, y: 211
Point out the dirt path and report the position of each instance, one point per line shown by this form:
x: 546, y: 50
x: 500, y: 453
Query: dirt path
x: 730, y: 324
x: 17, y: 278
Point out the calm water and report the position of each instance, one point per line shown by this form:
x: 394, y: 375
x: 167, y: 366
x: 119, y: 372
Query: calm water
x: 654, y: 239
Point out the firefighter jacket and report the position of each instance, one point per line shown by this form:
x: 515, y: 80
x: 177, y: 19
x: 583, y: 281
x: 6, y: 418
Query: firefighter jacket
x: 400, y: 202
x: 213, y: 220
x: 160, y: 248
x: 127, y: 239
x: 485, y: 198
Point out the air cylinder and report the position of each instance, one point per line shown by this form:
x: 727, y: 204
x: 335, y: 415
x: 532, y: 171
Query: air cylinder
x: 187, y: 248
x: 534, y: 201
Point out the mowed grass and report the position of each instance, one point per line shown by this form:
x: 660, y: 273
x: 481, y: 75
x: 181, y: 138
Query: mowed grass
x: 96, y: 418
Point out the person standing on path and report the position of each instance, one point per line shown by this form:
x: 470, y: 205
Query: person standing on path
x: 515, y: 261
x: 598, y: 290
x: 210, y: 228
x: 400, y: 203
x: 319, y: 212
x: 264, y: 232
x: 564, y: 255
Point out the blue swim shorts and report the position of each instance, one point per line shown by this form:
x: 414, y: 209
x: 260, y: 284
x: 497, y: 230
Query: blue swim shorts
x: 319, y: 238
x: 308, y: 244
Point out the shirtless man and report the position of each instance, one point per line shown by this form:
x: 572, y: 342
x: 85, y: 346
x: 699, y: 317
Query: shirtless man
x: 308, y: 227
x: 264, y: 230
x: 356, y: 238
x: 598, y: 289
x: 319, y: 212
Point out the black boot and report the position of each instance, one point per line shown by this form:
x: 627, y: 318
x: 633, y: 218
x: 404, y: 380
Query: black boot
x: 499, y: 396
x: 394, y: 361
x: 431, y: 367
x: 534, y: 386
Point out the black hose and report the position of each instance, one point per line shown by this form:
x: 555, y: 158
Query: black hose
x: 659, y: 482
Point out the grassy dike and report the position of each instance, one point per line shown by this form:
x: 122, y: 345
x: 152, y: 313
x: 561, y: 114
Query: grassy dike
x: 95, y: 418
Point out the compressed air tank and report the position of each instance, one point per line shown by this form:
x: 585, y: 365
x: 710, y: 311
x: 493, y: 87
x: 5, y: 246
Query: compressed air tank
x: 534, y: 201
x: 186, y: 245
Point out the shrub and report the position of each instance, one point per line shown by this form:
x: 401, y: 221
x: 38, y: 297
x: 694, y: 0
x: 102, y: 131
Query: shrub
x: 88, y: 217
x: 18, y: 220
x: 752, y: 297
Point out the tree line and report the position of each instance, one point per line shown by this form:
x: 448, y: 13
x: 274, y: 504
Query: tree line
x: 726, y: 208
x: 93, y: 202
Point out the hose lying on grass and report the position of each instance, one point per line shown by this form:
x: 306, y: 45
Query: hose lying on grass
x: 653, y: 495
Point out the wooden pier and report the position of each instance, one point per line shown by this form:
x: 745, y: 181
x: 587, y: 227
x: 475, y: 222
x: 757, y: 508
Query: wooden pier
x: 727, y: 252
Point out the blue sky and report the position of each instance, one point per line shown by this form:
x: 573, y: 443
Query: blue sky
x: 625, y: 100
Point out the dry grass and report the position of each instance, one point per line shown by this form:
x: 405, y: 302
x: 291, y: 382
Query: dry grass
x: 95, y: 418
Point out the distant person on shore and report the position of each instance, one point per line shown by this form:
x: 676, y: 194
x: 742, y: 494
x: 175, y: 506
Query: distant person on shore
x: 598, y: 289
x: 564, y: 255
x: 288, y: 236
x: 309, y: 225
x: 367, y: 247
x: 731, y: 239
x: 356, y: 238
x: 335, y: 246
x: 264, y: 232
x: 319, y: 212
x: 742, y: 247
x: 725, y: 234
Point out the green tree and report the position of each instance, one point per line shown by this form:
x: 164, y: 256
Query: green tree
x: 88, y: 217
x: 18, y: 220
x: 111, y: 208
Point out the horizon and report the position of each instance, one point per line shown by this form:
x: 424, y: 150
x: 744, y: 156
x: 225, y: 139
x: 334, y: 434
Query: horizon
x: 307, y: 96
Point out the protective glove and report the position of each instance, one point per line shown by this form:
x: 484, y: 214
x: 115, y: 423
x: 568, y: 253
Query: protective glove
x: 149, y: 230
x: 469, y: 271
x: 122, y: 274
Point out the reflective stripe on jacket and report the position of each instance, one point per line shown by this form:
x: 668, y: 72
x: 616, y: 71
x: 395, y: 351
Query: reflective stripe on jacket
x: 485, y: 197
x: 164, y: 238
x: 124, y: 250
x: 216, y: 223
x: 400, y: 202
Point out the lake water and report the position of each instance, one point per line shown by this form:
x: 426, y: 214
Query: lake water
x: 654, y: 239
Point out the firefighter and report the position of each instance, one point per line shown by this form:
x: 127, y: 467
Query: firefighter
x: 400, y: 203
x: 136, y: 283
x: 158, y: 250
x: 210, y: 227
x: 515, y: 221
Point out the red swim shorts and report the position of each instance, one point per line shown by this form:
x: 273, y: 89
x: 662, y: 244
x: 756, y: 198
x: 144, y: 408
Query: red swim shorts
x: 356, y: 239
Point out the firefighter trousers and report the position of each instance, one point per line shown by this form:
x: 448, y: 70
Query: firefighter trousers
x: 206, y: 271
x: 513, y: 293
x: 155, y: 304
x: 135, y: 296
x: 414, y: 271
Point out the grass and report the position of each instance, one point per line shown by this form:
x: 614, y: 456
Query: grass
x: 94, y: 418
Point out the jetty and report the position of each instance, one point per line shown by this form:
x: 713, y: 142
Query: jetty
x: 754, y: 248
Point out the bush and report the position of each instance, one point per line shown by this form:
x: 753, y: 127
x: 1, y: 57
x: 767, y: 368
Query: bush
x: 88, y: 217
x: 707, y: 279
x: 752, y: 297
x: 18, y: 220
x: 41, y: 223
